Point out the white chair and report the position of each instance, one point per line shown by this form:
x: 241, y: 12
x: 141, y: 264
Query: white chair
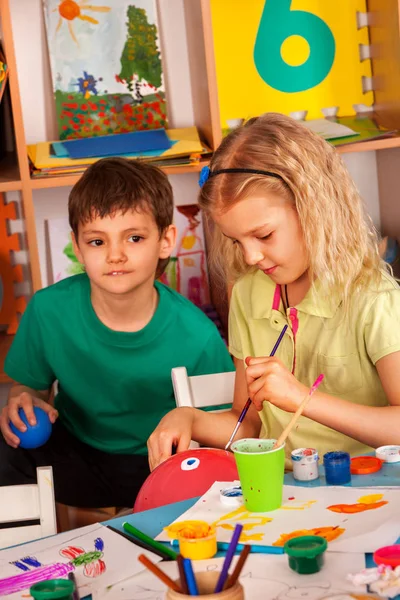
x: 203, y: 391
x: 27, y: 512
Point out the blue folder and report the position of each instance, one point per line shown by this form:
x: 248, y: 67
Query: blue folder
x: 154, y: 140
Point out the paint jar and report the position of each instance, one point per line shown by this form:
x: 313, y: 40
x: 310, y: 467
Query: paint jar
x: 388, y: 555
x: 389, y: 454
x: 231, y: 496
x: 337, y: 468
x: 206, y: 582
x: 305, y: 464
x: 53, y: 589
x: 197, y: 539
x: 306, y: 553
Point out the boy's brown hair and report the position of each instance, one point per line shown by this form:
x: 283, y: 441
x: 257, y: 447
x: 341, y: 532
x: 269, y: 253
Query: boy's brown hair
x: 119, y: 184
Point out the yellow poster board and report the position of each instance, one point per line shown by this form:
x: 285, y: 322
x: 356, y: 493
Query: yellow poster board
x: 288, y: 56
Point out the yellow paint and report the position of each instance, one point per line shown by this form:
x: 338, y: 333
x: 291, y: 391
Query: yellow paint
x: 249, y: 521
x: 370, y: 499
x: 298, y: 505
x: 242, y: 93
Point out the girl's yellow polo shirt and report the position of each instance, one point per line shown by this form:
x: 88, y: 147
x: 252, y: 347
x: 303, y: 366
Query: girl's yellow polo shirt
x: 320, y: 339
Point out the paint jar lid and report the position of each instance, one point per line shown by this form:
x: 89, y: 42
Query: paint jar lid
x: 364, y: 465
x: 389, y: 454
x: 388, y: 555
x: 306, y: 546
x: 52, y: 589
x: 232, y: 496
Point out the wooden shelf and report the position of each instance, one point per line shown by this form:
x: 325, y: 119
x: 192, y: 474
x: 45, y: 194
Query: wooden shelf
x: 9, y: 174
x: 5, y: 343
x: 70, y: 180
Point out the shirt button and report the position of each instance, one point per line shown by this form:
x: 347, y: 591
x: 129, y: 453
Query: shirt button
x: 276, y: 322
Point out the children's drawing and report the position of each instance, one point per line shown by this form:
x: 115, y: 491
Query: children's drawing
x: 361, y: 531
x: 106, y: 66
x: 188, y: 272
x: 97, y: 556
x: 369, y: 502
x: 62, y: 256
x: 263, y: 578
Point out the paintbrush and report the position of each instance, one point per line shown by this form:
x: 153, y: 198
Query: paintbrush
x: 298, y: 413
x: 247, y: 405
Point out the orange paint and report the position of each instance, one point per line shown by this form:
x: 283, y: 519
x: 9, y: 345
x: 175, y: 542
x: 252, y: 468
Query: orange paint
x: 349, y: 509
x: 69, y: 10
x: 329, y: 533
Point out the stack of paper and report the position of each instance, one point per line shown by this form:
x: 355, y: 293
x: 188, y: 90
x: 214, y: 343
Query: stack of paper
x: 170, y: 147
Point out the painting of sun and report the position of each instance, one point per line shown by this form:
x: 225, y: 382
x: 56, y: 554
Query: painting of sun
x: 70, y: 10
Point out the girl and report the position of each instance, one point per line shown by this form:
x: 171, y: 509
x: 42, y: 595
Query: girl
x: 291, y: 233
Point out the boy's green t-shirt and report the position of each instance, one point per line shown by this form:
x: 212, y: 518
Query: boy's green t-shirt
x: 113, y: 387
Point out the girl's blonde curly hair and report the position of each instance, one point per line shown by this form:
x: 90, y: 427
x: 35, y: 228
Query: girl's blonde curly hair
x: 340, y: 240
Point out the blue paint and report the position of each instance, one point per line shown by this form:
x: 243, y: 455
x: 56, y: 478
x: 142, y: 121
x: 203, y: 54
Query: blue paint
x: 232, y: 492
x: 337, y: 468
x: 191, y: 461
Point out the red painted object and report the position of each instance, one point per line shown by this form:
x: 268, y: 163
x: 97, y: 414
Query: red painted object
x: 185, y: 475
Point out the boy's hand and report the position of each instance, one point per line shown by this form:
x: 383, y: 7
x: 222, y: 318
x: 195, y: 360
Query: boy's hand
x: 269, y: 380
x: 10, y: 413
x: 175, y: 429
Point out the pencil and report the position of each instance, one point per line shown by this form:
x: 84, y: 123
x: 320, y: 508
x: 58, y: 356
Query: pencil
x: 182, y: 576
x: 148, y: 540
x: 158, y: 573
x: 141, y: 544
x: 228, y: 558
x: 239, y: 566
x: 190, y: 578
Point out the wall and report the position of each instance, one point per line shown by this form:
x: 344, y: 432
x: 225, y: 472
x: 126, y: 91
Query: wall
x: 39, y: 115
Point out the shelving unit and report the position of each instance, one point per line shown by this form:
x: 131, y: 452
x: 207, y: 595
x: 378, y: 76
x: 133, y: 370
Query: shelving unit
x: 384, y: 26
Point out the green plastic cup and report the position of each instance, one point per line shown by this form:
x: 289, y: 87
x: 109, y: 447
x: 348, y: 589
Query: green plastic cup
x: 53, y: 589
x: 261, y: 469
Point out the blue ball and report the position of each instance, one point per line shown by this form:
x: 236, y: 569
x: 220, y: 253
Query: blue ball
x: 35, y: 435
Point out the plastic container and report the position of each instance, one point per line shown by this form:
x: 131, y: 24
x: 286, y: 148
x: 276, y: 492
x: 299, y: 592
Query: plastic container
x: 53, y: 589
x: 389, y: 454
x: 388, y: 555
x: 232, y: 496
x: 337, y: 468
x: 197, y: 539
x: 206, y: 583
x: 35, y: 435
x: 305, y: 464
x: 306, y: 553
x: 365, y: 465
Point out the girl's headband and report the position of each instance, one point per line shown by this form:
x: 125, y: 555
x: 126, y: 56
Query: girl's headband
x: 206, y: 173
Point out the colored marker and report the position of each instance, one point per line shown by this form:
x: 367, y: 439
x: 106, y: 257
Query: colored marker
x: 148, y: 540
x: 255, y: 549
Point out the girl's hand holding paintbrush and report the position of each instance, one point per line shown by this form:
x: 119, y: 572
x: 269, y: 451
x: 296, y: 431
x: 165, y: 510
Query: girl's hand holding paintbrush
x: 268, y: 380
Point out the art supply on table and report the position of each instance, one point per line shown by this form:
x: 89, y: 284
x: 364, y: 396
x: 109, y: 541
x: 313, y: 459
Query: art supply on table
x: 53, y: 589
x: 389, y: 454
x: 388, y: 555
x: 256, y: 549
x: 305, y: 464
x: 159, y: 573
x: 298, y: 412
x: 337, y: 468
x: 228, y: 558
x: 247, y: 405
x: 182, y: 576
x: 232, y: 496
x: 141, y: 544
x: 261, y: 472
x: 206, y: 581
x: 35, y: 435
x: 190, y: 578
x: 239, y: 566
x: 148, y: 540
x: 306, y: 553
x: 197, y: 539
x: 365, y: 465
x: 71, y: 577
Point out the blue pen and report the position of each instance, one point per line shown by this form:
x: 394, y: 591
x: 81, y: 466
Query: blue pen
x: 190, y: 580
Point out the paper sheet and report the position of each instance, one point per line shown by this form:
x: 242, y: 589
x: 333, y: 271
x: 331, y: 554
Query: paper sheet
x: 263, y: 578
x: 351, y: 519
x: 97, y: 556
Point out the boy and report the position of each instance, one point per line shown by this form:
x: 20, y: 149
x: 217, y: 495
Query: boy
x: 109, y: 337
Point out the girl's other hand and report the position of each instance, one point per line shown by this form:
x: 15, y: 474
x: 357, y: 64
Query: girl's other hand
x: 174, y: 430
